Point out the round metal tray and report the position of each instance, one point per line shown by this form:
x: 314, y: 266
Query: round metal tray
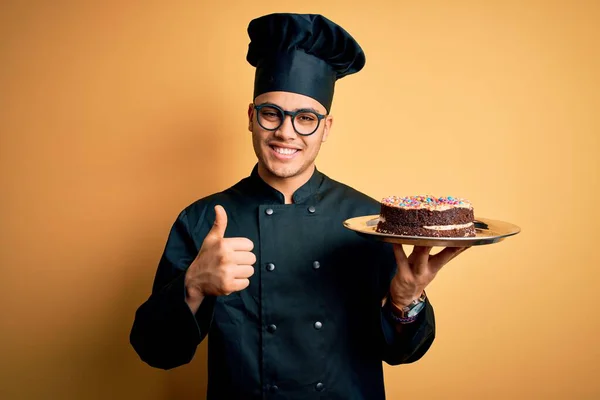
x: 488, y: 231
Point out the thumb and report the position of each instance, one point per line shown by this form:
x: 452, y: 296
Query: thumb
x: 220, y: 224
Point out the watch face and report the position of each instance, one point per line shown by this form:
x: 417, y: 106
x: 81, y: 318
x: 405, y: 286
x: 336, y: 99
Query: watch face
x: 416, y: 309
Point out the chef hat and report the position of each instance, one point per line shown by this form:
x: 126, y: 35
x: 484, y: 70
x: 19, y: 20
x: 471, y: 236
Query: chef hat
x: 301, y: 53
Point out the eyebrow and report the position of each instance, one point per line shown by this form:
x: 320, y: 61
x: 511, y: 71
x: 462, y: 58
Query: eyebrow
x: 294, y: 110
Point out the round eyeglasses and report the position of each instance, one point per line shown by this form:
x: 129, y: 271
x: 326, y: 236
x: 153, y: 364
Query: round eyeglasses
x: 305, y: 121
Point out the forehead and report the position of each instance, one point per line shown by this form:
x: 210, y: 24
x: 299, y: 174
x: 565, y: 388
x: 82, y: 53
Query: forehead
x: 290, y: 101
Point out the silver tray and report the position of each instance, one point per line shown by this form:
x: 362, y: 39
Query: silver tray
x: 488, y: 231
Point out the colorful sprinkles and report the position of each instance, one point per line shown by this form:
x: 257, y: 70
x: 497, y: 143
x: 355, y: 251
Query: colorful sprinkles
x: 425, y: 201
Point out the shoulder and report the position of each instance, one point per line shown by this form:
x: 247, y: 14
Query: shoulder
x: 202, y: 211
x: 349, y: 197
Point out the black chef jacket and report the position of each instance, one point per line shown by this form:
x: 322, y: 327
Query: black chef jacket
x: 310, y: 325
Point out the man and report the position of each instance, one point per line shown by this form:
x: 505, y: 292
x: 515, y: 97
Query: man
x: 295, y: 306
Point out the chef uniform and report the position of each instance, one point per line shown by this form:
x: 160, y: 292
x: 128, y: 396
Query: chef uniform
x: 311, y: 323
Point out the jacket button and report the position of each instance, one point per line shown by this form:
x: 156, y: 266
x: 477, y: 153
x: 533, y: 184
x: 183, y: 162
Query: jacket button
x: 312, y: 209
x: 273, y: 388
x: 318, y: 325
x: 319, y: 386
x: 270, y: 267
x: 269, y: 211
x: 316, y: 265
x: 272, y: 328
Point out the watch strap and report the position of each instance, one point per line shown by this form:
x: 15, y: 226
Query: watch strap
x: 409, y: 313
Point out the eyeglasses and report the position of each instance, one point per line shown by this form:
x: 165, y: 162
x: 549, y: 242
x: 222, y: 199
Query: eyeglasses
x: 305, y: 121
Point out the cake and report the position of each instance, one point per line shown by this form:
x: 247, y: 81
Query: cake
x: 426, y: 216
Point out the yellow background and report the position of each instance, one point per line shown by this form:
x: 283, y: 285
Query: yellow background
x: 115, y: 115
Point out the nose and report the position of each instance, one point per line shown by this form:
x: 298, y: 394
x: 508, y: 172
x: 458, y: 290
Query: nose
x: 286, y: 130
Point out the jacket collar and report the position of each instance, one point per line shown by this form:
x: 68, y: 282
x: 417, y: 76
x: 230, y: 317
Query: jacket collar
x: 301, y: 195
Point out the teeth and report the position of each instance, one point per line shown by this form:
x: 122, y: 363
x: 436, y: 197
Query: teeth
x: 282, y: 150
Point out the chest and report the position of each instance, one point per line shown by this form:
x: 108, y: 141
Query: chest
x: 303, y: 251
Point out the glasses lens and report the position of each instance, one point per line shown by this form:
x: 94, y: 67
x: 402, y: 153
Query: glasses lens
x: 269, y: 117
x: 306, y: 122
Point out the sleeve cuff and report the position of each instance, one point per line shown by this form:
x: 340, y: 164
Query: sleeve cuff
x: 412, y: 341
x: 389, y: 326
x: 196, y: 325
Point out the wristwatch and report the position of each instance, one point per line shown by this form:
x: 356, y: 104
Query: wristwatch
x: 409, y: 313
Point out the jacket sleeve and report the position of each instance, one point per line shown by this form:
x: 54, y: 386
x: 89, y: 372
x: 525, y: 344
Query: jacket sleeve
x: 412, y: 341
x: 165, y: 332
x: 409, y: 343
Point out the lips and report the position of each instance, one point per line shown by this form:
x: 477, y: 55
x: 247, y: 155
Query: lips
x: 284, y: 150
x: 284, y: 153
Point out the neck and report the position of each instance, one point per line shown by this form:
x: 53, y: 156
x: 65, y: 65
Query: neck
x: 287, y: 186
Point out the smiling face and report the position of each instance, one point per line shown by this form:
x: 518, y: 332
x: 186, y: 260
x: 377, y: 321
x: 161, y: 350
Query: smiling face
x: 283, y: 154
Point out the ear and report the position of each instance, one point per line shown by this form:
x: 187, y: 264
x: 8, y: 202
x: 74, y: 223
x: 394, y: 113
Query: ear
x: 250, y: 116
x: 328, y: 122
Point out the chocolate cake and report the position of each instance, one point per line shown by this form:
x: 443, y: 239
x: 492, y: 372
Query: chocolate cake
x: 426, y: 216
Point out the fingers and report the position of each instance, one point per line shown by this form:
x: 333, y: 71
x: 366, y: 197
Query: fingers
x: 218, y: 231
x: 242, y: 271
x: 239, y: 244
x: 420, y: 254
x: 416, y: 263
x: 232, y: 278
x: 234, y: 255
x: 419, y: 259
x: 443, y: 257
x: 243, y: 258
x: 401, y: 259
x: 400, y: 254
x: 220, y: 223
x: 240, y: 284
x: 237, y: 278
x: 234, y: 285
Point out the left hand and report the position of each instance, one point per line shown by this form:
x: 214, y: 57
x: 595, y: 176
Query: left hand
x: 416, y: 271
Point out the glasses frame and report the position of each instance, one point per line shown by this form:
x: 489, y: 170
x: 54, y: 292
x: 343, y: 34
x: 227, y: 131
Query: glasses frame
x: 292, y: 115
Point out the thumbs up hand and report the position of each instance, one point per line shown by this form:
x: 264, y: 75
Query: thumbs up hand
x: 223, y: 265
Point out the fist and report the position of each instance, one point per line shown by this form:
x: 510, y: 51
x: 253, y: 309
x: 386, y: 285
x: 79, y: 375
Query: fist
x: 223, y: 265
